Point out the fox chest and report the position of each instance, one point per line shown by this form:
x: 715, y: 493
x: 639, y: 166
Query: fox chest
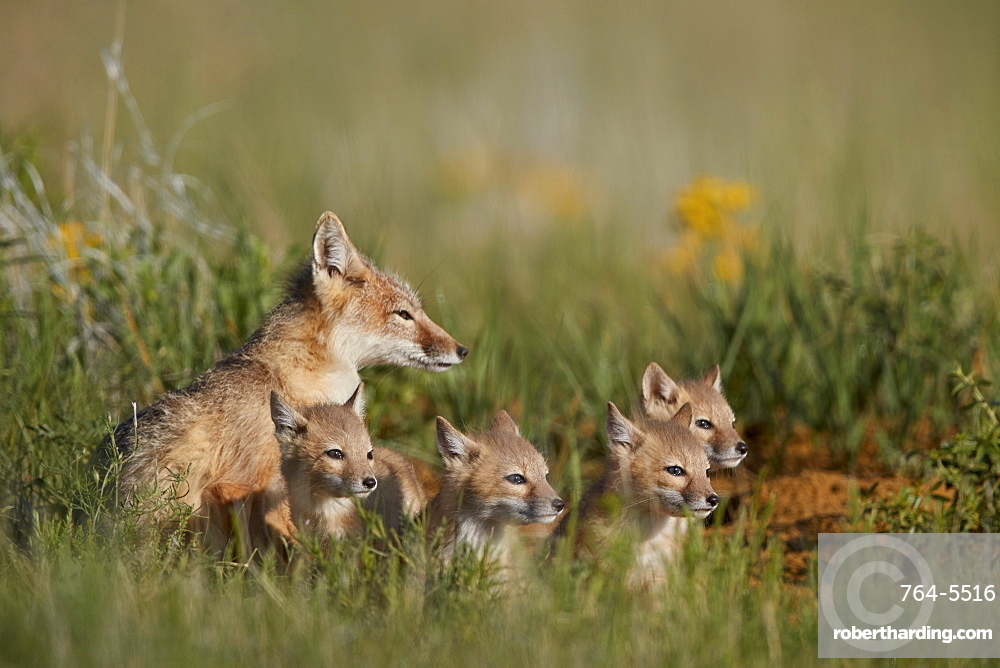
x: 663, y: 545
x: 335, y: 385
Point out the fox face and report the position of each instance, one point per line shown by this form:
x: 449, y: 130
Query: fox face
x: 713, y: 419
x: 663, y: 466
x: 501, y: 478
x: 326, y: 452
x: 378, y: 313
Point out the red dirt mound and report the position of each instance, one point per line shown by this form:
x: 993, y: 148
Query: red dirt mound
x: 808, y: 491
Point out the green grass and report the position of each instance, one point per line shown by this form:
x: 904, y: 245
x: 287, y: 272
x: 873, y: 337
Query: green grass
x: 962, y: 494
x: 77, y: 605
x: 553, y: 354
x: 536, y: 237
x: 857, y: 351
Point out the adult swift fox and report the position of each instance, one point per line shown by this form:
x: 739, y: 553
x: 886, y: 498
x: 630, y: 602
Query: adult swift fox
x: 490, y: 480
x: 212, y: 442
x: 328, y: 461
x: 713, y: 418
x: 656, y: 476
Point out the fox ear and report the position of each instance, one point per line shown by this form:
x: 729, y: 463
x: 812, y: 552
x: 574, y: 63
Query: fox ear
x: 287, y: 422
x: 357, y: 401
x: 621, y: 432
x: 658, y: 389
x: 502, y: 421
x: 454, y: 446
x: 713, y: 378
x: 332, y: 250
x: 683, y: 416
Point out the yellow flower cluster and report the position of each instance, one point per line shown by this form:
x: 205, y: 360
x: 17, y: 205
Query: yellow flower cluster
x: 73, y: 238
x: 709, y: 210
x: 556, y: 190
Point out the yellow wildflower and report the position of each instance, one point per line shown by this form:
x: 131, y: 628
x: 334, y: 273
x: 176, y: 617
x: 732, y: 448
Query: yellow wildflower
x: 469, y: 169
x: 708, y: 209
x: 683, y: 258
x: 72, y: 237
x: 699, y: 214
x: 708, y: 205
x: 737, y: 196
x: 558, y: 190
x: 728, y: 265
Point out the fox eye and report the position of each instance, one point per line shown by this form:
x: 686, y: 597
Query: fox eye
x: 515, y: 479
x: 335, y: 453
x: 703, y: 424
x: 371, y: 454
x: 674, y: 470
x: 404, y: 314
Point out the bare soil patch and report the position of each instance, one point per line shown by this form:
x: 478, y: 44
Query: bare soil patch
x: 808, y: 493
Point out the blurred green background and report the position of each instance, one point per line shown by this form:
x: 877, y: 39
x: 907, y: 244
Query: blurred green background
x: 363, y: 107
x: 806, y: 193
x: 538, y: 170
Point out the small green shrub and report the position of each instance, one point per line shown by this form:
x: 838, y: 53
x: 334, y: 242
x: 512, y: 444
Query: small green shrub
x: 844, y: 351
x: 963, y: 476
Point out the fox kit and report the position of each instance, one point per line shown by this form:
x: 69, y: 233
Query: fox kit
x: 490, y: 480
x: 656, y: 475
x: 328, y: 461
x: 713, y: 418
x: 213, y: 441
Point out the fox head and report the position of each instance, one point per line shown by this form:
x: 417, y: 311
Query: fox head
x: 713, y: 418
x: 663, y: 466
x: 325, y: 450
x: 377, y: 313
x: 501, y: 477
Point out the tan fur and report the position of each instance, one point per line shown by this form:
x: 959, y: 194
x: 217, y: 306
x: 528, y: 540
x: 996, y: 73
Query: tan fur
x: 656, y: 476
x: 328, y: 461
x: 430, y: 478
x: 400, y: 495
x: 491, y: 479
x: 713, y: 418
x: 340, y: 314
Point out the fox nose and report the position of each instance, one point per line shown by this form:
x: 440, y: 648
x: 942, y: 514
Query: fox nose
x: 558, y: 504
x: 369, y: 482
x: 462, y: 351
x: 713, y: 500
x: 742, y: 448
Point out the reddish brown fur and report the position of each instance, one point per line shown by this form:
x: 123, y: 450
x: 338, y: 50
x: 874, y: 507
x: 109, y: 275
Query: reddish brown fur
x: 401, y: 493
x: 657, y: 473
x: 340, y: 314
x: 430, y: 480
x: 713, y: 418
x: 327, y: 461
x: 490, y: 480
